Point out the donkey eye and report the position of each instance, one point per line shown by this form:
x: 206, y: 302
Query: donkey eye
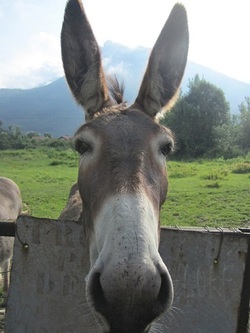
x: 165, y: 149
x: 83, y: 147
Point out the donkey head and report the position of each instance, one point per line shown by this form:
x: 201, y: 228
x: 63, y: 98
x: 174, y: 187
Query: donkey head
x: 122, y: 175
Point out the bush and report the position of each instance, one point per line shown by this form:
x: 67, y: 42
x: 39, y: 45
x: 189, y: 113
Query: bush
x: 242, y: 168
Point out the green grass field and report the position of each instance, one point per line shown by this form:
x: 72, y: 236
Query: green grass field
x: 201, y: 193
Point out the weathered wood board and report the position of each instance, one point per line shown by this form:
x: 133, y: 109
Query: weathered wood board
x: 208, y: 270
x: 47, y: 280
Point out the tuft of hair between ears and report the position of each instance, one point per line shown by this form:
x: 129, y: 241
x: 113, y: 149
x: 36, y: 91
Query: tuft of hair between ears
x: 116, y: 89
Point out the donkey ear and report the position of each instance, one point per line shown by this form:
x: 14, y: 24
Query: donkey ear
x: 166, y: 65
x: 82, y: 60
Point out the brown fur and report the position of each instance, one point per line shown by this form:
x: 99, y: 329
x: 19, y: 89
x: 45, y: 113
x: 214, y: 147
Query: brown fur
x: 73, y: 209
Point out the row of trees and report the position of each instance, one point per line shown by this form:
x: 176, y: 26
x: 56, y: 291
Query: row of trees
x: 14, y: 138
x: 203, y: 125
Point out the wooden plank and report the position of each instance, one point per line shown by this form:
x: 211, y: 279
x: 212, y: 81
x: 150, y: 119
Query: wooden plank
x: 7, y: 228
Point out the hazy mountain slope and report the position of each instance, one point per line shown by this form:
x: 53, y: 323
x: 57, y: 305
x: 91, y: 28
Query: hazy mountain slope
x: 52, y: 109
x: 48, y: 109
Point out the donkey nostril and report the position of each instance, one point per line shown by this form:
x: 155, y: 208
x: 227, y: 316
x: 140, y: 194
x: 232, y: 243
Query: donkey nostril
x: 118, y: 299
x: 96, y: 293
x: 165, y: 296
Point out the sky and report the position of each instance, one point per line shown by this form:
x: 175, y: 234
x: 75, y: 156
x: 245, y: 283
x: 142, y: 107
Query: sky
x: 30, y: 34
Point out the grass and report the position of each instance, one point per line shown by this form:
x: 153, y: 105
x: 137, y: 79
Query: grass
x: 44, y: 177
x: 201, y: 193
x: 210, y: 193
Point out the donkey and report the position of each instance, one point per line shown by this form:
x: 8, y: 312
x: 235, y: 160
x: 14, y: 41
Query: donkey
x: 122, y: 180
x: 10, y: 208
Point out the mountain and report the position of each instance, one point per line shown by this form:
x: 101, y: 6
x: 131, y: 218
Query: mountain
x: 130, y: 64
x: 46, y: 109
x: 51, y: 108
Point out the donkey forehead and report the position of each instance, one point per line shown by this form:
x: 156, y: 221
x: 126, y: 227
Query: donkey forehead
x: 129, y: 125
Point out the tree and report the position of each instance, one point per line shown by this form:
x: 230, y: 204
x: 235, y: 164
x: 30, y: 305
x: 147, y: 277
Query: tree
x: 14, y: 138
x: 227, y: 139
x: 32, y: 134
x: 3, y: 137
x: 244, y: 109
x: 195, y: 117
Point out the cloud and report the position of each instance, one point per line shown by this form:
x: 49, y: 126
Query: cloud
x: 35, y: 64
x: 29, y: 77
x: 120, y: 69
x: 30, y: 46
x: 30, y: 38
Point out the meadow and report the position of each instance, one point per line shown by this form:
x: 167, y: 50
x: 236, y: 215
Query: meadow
x: 201, y: 192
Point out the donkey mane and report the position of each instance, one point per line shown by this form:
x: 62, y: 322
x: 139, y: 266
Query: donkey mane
x: 116, y: 89
x: 116, y: 103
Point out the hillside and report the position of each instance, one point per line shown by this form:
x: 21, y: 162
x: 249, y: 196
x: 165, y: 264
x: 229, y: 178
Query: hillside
x: 51, y: 108
x: 47, y: 109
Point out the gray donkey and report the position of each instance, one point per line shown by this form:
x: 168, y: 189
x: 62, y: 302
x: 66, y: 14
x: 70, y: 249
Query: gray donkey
x: 10, y: 208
